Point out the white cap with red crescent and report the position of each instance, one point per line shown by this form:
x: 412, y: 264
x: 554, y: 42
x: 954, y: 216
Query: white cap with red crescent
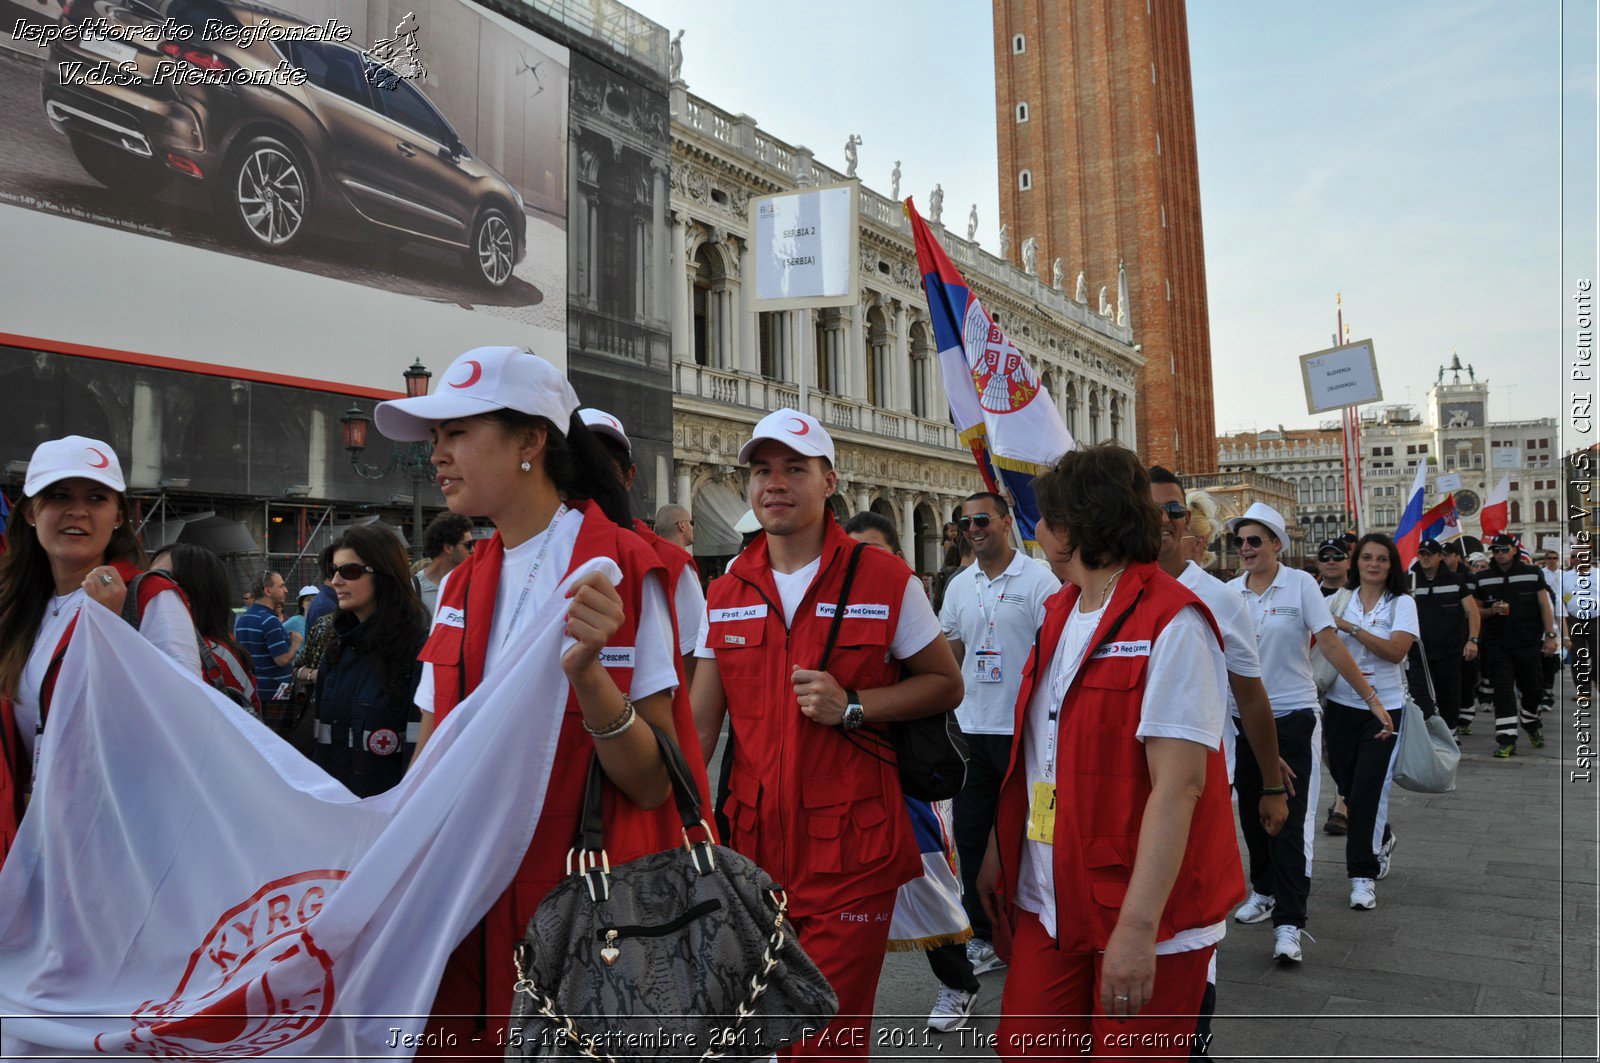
x: 603, y: 423
x: 483, y: 380
x: 70, y: 458
x: 800, y: 432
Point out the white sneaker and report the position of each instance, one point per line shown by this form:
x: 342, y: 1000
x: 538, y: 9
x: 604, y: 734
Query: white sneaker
x: 1385, y: 853
x: 952, y: 1010
x: 982, y: 956
x: 1286, y: 944
x: 1363, y: 894
x: 1257, y: 906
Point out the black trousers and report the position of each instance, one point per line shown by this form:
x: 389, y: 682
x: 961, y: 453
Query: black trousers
x: 1513, y: 669
x: 1446, y: 670
x: 1365, y: 765
x: 974, y: 819
x: 952, y: 968
x: 1280, y: 867
x: 1549, y: 666
x: 1583, y: 657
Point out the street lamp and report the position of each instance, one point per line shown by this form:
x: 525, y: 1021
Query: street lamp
x: 412, y: 459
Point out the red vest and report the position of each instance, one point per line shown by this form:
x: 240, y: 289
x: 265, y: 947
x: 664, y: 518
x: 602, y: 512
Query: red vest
x: 1103, y: 781
x: 822, y: 816
x: 16, y: 770
x: 675, y: 557
x: 457, y: 655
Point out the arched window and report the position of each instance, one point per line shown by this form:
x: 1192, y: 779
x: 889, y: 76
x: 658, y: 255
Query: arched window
x: 923, y: 366
x: 1303, y: 496
x: 1316, y: 491
x: 1070, y: 407
x: 1025, y: 180
x: 1019, y: 44
x: 1331, y: 487
x: 878, y: 347
x: 706, y: 307
x: 1022, y: 112
x: 1516, y: 511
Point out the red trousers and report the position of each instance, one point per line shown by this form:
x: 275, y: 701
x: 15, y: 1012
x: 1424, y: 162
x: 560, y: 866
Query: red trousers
x: 1051, y: 1005
x: 847, y: 945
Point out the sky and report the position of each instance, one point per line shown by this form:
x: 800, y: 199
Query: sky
x: 1408, y: 156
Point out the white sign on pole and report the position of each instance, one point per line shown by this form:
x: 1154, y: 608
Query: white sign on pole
x: 1450, y: 481
x: 1551, y: 542
x: 807, y: 248
x: 1507, y: 458
x: 1340, y: 377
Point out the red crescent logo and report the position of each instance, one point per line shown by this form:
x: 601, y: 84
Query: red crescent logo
x: 472, y: 378
x: 802, y: 430
x: 104, y: 462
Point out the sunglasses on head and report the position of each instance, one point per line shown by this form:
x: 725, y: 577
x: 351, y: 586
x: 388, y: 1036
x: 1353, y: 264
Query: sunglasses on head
x: 977, y: 520
x: 1252, y: 541
x: 1175, y: 510
x: 351, y: 572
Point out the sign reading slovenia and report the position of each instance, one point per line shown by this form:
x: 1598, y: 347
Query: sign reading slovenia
x: 806, y: 248
x: 1340, y: 377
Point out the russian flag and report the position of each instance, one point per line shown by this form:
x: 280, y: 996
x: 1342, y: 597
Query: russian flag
x: 1442, y: 522
x: 997, y: 402
x: 1408, y: 536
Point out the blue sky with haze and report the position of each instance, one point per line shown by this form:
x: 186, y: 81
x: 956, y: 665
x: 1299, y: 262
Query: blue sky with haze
x: 1408, y: 155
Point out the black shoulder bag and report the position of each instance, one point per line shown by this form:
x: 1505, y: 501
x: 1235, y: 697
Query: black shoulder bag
x: 930, y: 752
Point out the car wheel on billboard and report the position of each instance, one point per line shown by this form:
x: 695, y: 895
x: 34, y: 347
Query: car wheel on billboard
x: 266, y: 193
x: 119, y: 170
x: 493, y: 250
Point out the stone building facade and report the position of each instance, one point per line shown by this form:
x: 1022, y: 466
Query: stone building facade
x: 873, y: 370
x: 1310, y: 460
x: 1095, y: 114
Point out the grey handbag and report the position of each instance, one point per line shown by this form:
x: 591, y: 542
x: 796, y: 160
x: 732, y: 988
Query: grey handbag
x: 683, y: 954
x: 1428, y: 756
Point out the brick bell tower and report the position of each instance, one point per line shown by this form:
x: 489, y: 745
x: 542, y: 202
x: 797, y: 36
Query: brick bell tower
x: 1097, y: 160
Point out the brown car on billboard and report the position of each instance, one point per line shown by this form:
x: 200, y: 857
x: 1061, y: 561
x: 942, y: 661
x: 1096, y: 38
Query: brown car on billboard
x: 283, y: 134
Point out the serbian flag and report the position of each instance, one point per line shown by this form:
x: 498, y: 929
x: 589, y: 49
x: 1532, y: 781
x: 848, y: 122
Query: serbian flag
x: 1408, y: 536
x: 1496, y: 512
x: 997, y: 402
x: 1442, y: 522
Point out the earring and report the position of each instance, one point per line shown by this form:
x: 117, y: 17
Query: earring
x: 527, y: 466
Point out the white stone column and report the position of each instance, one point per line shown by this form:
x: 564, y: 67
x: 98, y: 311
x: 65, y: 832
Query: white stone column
x: 678, y: 276
x: 144, y: 468
x: 938, y: 404
x: 902, y: 358
x: 682, y: 497
x: 749, y: 343
x: 806, y: 378
x: 863, y: 499
x: 856, y: 353
x: 908, y: 521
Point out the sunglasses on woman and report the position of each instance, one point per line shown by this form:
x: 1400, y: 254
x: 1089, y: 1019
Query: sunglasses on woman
x: 1252, y: 541
x: 351, y: 572
x: 977, y: 520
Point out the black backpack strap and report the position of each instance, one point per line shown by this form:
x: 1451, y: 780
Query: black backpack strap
x: 838, y: 609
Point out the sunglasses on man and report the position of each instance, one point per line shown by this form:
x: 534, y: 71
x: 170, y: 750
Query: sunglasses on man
x: 1500, y: 550
x: 1331, y: 555
x: 977, y: 520
x: 1175, y: 510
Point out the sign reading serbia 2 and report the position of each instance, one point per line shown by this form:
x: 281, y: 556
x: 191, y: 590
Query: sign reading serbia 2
x: 262, y: 981
x: 1006, y: 382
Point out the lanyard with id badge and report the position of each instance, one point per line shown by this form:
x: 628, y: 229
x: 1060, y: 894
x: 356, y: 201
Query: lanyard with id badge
x: 987, y: 662
x: 1042, y: 798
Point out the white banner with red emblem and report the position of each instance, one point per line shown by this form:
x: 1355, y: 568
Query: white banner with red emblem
x: 186, y: 885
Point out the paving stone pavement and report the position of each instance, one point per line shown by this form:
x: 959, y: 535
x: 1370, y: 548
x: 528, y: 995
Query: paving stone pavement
x: 1482, y: 946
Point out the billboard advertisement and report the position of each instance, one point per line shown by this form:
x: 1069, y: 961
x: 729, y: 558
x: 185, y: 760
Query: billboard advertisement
x: 312, y: 192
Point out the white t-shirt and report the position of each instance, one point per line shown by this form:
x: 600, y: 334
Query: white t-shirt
x: 688, y: 606
x: 1578, y: 594
x: 916, y: 628
x: 166, y: 624
x: 999, y: 616
x: 653, y: 667
x: 1182, y: 699
x: 1238, y: 633
x: 1388, y: 678
x: 1554, y: 580
x: 1285, y: 617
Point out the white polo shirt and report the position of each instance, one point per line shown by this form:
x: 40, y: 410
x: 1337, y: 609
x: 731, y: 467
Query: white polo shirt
x: 1578, y: 594
x: 1388, y: 678
x: 1000, y: 617
x: 1286, y: 616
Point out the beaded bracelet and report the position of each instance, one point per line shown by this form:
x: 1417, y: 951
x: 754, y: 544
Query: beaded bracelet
x: 620, y: 726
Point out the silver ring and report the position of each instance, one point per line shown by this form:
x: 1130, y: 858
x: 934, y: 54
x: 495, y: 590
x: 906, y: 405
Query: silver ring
x: 105, y: 578
x: 1121, y: 997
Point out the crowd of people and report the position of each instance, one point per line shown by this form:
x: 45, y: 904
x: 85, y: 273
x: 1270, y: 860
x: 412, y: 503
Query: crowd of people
x: 1115, y: 695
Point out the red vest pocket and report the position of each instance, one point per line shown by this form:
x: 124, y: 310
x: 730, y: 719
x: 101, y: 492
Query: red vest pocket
x: 1115, y: 673
x: 443, y: 646
x: 829, y: 801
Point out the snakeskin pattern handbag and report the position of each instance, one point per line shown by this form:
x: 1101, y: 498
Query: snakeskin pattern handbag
x: 682, y: 954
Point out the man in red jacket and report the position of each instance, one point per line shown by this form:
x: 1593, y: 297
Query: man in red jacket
x: 813, y: 794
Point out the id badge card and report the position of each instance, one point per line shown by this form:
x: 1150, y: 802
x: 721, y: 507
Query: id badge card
x: 987, y: 667
x: 1042, y: 813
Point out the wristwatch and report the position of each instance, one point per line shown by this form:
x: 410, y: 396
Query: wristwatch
x: 854, y: 714
x: 1552, y: 634
x: 1472, y: 639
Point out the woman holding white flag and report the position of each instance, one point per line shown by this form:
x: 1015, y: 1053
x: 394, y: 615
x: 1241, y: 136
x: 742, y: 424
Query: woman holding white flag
x: 69, y: 543
x: 508, y: 446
